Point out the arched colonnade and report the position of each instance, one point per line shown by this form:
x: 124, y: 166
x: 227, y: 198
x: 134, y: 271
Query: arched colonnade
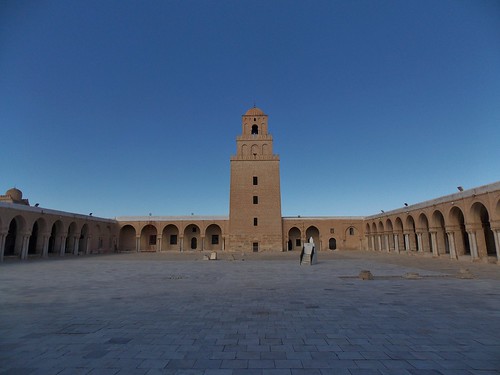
x: 155, y: 236
x: 37, y: 232
x: 467, y: 228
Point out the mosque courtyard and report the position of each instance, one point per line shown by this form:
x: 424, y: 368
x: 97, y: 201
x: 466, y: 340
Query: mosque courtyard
x: 173, y: 313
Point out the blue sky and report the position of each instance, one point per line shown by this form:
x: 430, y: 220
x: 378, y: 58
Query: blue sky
x: 132, y: 107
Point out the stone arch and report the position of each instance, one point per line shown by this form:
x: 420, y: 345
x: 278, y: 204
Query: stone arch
x: 14, y: 238
x: 457, y: 225
x: 255, y: 129
x: 170, y: 238
x: 411, y: 242
x: 390, y: 234
x: 70, y: 238
x: 149, y: 236
x: 294, y: 239
x: 127, y: 238
x: 398, y: 234
x: 84, y: 238
x: 332, y: 243
x: 265, y: 149
x: 213, y: 237
x: 484, y: 235
x: 425, y: 237
x: 36, y: 241
x: 380, y: 227
x: 313, y: 232
x: 55, y: 239
x: 375, y: 244
x: 244, y: 150
x: 255, y: 150
x: 439, y: 227
x: 498, y: 209
x: 368, y: 229
x: 192, y: 237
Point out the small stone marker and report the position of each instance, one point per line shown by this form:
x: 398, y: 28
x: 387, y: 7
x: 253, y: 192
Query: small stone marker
x: 465, y: 273
x: 205, y: 257
x: 365, y: 275
x: 213, y: 255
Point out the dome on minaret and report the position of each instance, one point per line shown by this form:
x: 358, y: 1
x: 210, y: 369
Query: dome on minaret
x: 254, y: 111
x: 15, y: 194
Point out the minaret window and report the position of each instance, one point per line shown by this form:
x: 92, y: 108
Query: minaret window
x: 255, y: 180
x: 255, y: 199
x: 255, y: 129
x: 255, y: 222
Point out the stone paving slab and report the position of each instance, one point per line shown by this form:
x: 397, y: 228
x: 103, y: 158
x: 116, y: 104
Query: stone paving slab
x: 248, y: 314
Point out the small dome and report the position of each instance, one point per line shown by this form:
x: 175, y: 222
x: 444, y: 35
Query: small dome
x: 255, y: 112
x: 15, y: 194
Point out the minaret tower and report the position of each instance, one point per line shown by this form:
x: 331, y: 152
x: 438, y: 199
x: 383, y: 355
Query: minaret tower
x: 255, y: 197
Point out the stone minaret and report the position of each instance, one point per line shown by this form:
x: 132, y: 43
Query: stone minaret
x: 255, y: 197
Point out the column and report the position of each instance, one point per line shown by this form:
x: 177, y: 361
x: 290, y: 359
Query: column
x: 202, y: 243
x: 181, y: 242
x: 138, y: 243
x: 45, y: 248
x: 396, y: 243
x: 63, y: 246
x: 473, y: 245
x: 451, y: 243
x: 407, y: 241
x: 379, y: 242
x: 3, y: 236
x: 24, y: 248
x: 496, y: 235
x: 87, y: 245
x: 76, y: 246
x: 419, y: 242
x: 223, y: 243
x: 158, y: 245
x: 434, y: 244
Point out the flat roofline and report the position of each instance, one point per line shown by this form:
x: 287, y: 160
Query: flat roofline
x: 42, y: 210
x: 172, y: 218
x: 323, y: 217
x: 446, y: 198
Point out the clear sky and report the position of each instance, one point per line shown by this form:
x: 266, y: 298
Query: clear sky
x: 133, y: 107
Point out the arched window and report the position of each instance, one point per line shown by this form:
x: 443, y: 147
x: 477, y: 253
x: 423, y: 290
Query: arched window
x: 255, y: 129
x: 351, y: 231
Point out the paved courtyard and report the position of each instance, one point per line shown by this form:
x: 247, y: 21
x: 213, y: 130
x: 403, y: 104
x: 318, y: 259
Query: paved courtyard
x: 248, y: 314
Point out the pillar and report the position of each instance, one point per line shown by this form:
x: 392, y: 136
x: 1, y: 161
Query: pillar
x: 451, y: 243
x: 45, y: 247
x: 76, y: 246
x: 62, y: 249
x: 386, y: 240
x: 24, y: 246
x: 473, y: 245
x: 181, y: 243
x: 419, y: 243
x: 396, y: 243
x: 496, y: 236
x: 158, y: 245
x: 202, y: 243
x: 87, y: 245
x: 138, y: 243
x: 434, y: 244
x: 407, y: 241
x: 3, y: 236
